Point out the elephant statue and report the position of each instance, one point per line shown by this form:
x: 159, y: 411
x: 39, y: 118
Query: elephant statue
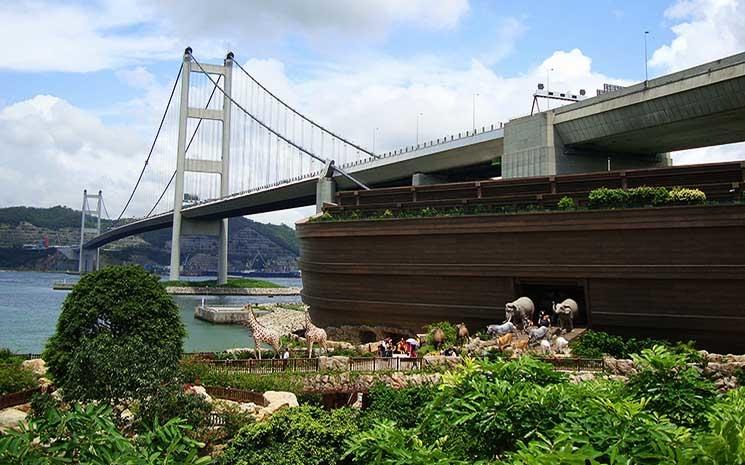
x: 566, y: 311
x: 520, y: 312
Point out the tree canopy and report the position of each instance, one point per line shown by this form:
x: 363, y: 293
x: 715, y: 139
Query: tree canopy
x: 118, y: 336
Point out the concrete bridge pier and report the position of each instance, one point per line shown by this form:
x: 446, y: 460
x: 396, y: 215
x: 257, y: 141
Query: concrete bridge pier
x: 89, y: 261
x: 325, y: 192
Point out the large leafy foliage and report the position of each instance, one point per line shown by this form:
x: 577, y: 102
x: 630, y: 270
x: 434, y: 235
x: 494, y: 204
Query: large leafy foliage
x: 300, y: 436
x: 672, y: 387
x: 118, y: 335
x: 87, y: 435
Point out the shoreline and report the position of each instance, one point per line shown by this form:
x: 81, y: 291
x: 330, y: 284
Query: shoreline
x: 237, y: 291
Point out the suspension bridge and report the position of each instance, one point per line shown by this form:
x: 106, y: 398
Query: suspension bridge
x: 240, y: 149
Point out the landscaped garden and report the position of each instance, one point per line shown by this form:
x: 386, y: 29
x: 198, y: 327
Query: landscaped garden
x: 126, y: 395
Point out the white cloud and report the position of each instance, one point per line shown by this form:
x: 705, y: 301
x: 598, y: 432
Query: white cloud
x: 59, y: 36
x: 63, y: 37
x: 138, y: 77
x: 227, y: 19
x: 52, y: 150
x: 705, y: 30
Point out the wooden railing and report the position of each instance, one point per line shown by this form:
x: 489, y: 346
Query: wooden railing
x: 18, y: 398
x: 719, y: 181
x: 236, y: 395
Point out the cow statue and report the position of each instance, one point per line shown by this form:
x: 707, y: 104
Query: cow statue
x: 500, y: 330
x: 537, y: 334
x: 566, y: 311
x: 520, y: 312
x: 462, y: 333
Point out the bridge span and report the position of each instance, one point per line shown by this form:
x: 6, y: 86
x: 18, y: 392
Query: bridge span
x: 286, y: 158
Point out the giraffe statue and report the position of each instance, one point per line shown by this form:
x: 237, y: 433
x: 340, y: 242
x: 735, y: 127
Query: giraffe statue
x: 262, y: 333
x: 314, y: 334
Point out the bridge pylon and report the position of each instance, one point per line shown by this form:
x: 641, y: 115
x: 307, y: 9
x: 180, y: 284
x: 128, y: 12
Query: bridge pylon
x: 184, y: 226
x: 89, y: 260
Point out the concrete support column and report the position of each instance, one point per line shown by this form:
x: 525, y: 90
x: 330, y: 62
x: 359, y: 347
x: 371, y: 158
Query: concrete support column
x: 423, y: 179
x: 98, y: 228
x: 222, y: 257
x: 325, y: 192
x: 81, y: 253
x: 178, y: 189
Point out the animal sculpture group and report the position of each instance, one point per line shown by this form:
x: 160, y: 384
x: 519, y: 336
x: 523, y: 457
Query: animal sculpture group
x: 262, y: 334
x: 519, y: 320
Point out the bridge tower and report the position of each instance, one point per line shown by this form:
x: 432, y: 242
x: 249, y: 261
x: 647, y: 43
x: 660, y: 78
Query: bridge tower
x: 89, y: 260
x: 184, y: 226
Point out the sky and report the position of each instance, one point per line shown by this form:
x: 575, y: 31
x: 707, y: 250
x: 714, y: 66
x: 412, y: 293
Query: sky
x: 83, y: 84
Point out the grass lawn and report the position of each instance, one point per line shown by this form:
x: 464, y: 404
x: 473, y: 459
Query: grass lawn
x: 232, y: 282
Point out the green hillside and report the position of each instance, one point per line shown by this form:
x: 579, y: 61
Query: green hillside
x: 52, y: 218
x: 64, y: 217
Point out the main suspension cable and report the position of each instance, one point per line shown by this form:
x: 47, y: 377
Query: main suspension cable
x: 152, y: 146
x: 279, y: 136
x: 313, y: 123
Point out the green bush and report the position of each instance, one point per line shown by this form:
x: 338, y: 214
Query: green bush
x: 400, y: 405
x: 566, y: 203
x: 88, y: 436
x: 724, y: 442
x: 595, y: 344
x: 386, y: 443
x: 449, y: 329
x: 299, y: 436
x: 169, y: 402
x: 671, y: 387
x: 484, y: 408
x: 607, y: 432
x: 119, y: 334
x: 8, y: 357
x: 683, y: 196
x: 13, y: 378
x: 606, y: 198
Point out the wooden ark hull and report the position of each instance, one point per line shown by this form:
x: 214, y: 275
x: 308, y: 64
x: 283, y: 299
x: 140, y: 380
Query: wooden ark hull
x: 674, y: 272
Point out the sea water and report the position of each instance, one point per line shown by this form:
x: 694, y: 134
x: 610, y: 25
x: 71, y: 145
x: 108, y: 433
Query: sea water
x: 29, y: 309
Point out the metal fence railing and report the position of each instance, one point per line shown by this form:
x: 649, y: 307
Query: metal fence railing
x: 266, y: 366
x: 308, y: 365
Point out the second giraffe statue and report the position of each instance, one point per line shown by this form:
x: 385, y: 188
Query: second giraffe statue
x: 314, y: 334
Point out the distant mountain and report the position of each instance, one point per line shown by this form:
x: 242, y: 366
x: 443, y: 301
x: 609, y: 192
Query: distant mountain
x: 28, y: 236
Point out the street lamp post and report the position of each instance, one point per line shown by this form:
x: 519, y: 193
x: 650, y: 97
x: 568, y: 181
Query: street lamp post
x: 474, y: 112
x: 548, y: 87
x: 373, y: 145
x: 646, y: 74
x: 417, y: 128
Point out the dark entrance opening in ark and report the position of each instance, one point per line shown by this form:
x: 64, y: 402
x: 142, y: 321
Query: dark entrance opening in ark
x: 544, y: 292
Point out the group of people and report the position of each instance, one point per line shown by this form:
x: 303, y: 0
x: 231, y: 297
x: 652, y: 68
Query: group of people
x: 387, y: 348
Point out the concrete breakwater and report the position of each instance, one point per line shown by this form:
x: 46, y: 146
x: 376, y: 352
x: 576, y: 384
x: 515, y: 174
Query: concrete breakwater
x: 229, y: 291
